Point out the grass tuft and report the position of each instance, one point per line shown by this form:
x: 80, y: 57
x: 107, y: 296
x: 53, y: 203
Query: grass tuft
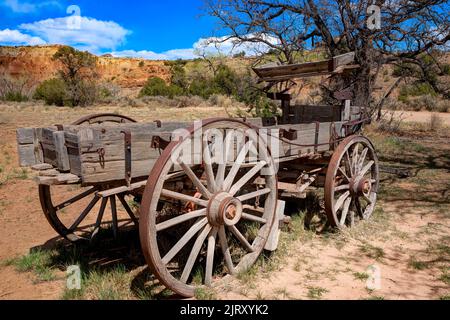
x: 316, y: 292
x: 204, y: 293
x: 38, y: 262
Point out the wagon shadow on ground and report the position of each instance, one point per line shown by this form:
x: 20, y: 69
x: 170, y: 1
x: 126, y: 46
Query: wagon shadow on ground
x: 111, y: 268
x: 428, y: 162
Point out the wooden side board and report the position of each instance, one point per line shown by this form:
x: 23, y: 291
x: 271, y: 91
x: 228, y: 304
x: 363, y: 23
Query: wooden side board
x: 28, y: 147
x: 97, y: 153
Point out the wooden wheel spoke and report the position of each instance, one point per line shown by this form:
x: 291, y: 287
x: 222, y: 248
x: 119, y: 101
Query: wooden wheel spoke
x: 195, y: 180
x: 84, y: 213
x: 208, y: 169
x: 226, y: 250
x: 194, y: 253
x: 342, y: 187
x: 341, y: 201
x: 101, y: 213
x: 362, y: 158
x: 247, y: 177
x: 184, y: 240
x: 253, y: 195
x: 366, y: 168
x: 344, y: 174
x: 236, y: 166
x: 115, y: 224
x: 355, y: 158
x: 241, y: 238
x: 127, y: 209
x: 345, y: 210
x: 210, y: 256
x: 253, y: 218
x: 75, y: 199
x: 183, y: 197
x: 348, y: 165
x: 222, y: 166
x: 180, y: 219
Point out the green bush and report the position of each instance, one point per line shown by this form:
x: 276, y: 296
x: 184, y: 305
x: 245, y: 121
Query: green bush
x: 416, y: 90
x: 446, y: 69
x: 15, y: 96
x: 225, y: 80
x: 52, y: 91
x: 157, y: 87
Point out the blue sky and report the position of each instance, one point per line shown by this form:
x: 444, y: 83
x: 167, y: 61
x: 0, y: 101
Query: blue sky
x: 151, y: 29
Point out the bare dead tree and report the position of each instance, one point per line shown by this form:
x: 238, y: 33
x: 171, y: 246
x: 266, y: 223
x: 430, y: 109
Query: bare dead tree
x: 409, y: 30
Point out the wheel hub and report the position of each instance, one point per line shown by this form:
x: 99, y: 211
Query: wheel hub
x: 360, y: 186
x: 223, y: 209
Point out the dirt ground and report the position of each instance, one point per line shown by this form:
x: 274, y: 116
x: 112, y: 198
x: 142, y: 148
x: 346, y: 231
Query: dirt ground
x: 408, y: 241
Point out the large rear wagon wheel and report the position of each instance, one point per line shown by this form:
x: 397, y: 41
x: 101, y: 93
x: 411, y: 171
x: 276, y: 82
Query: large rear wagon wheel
x: 200, y: 222
x: 68, y: 207
x: 69, y: 211
x: 352, y: 182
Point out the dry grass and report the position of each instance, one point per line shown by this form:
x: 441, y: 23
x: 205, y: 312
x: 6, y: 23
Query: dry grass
x: 436, y: 122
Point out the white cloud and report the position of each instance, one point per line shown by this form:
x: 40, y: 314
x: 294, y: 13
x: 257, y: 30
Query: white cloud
x: 150, y: 55
x: 228, y: 46
x: 208, y: 46
x: 15, y: 37
x: 88, y: 34
x: 27, y: 7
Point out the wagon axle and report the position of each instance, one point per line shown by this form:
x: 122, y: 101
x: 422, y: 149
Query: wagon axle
x: 224, y: 209
x: 360, y: 186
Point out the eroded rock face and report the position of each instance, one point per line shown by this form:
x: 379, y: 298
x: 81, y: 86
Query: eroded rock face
x: 36, y: 65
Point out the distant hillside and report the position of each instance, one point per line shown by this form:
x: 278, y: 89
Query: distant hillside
x: 36, y: 65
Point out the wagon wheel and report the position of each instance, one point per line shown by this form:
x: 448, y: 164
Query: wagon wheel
x: 224, y: 210
x: 74, y: 225
x: 352, y: 182
x: 103, y: 118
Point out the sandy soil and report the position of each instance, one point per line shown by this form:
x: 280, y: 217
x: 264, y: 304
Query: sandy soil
x: 421, y: 116
x: 324, y: 263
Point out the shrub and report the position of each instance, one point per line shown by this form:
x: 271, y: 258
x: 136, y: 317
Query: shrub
x: 446, y: 69
x: 107, y: 92
x: 15, y: 96
x: 435, y: 122
x: 225, y: 80
x: 427, y: 102
x: 157, y: 87
x: 415, y: 90
x: 443, y: 106
x: 52, y: 91
x: 15, y: 90
x: 202, y: 87
x: 141, y: 64
x: 78, y: 73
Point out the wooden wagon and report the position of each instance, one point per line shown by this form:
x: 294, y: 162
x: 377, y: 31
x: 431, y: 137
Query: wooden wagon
x: 208, y: 197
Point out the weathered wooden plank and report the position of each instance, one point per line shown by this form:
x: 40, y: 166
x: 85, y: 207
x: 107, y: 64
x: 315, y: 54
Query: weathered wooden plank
x: 46, y: 141
x: 73, y: 153
x: 343, y: 60
x: 42, y: 167
x: 49, y: 173
x: 115, y: 170
x: 58, y: 180
x: 62, y: 157
x: 26, y: 155
x: 25, y: 135
x: 274, y: 236
x: 272, y: 72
